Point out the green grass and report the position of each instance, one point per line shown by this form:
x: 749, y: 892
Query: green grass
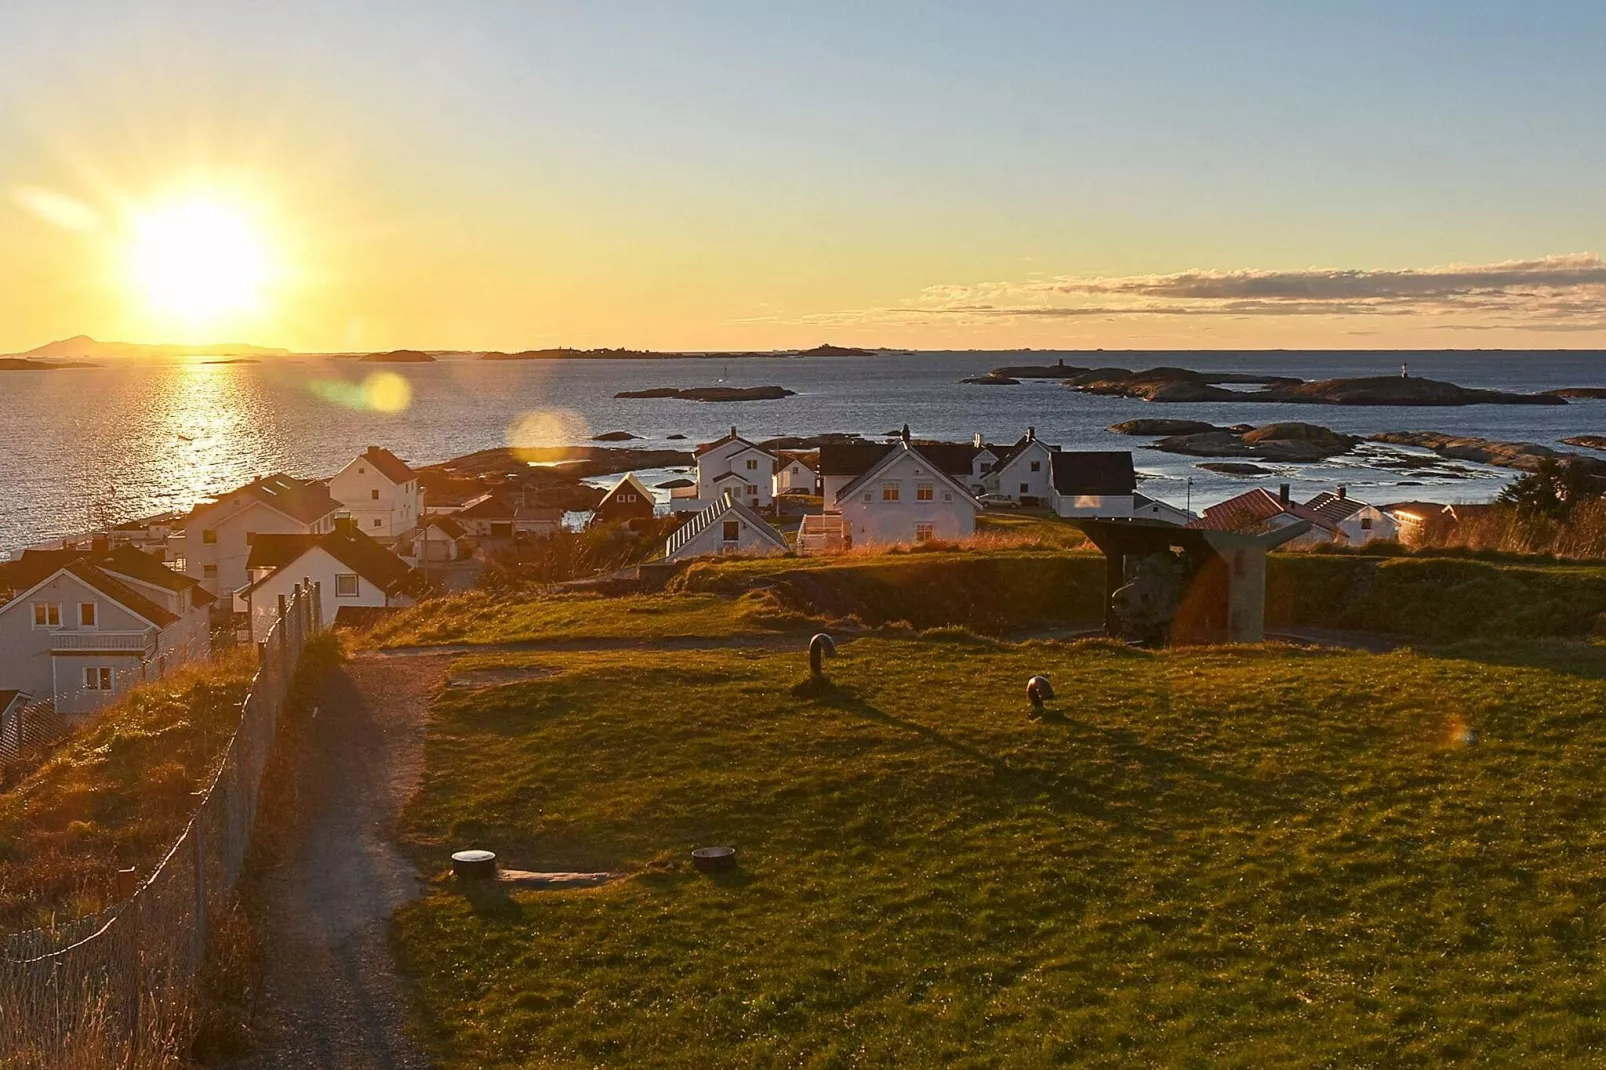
x: 1216, y: 857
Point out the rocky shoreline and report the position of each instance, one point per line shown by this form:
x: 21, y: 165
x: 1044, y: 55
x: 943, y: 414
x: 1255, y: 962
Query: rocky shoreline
x: 712, y: 393
x: 1181, y: 386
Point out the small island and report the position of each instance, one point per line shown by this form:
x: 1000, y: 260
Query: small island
x: 1524, y: 456
x: 398, y: 356
x: 992, y: 378
x: 828, y: 350
x: 712, y: 393
x: 614, y: 436
x: 1579, y: 392
x: 234, y: 360
x: 1180, y: 385
x: 23, y: 364
x: 1273, y: 442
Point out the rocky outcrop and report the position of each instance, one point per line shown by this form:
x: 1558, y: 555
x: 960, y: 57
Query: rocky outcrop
x: 1180, y: 385
x: 614, y: 436
x: 1579, y: 392
x: 398, y: 356
x: 1589, y: 442
x: 828, y: 350
x: 991, y: 379
x: 23, y: 364
x: 1274, y: 442
x: 1524, y: 456
x: 1163, y: 427
x: 1235, y: 468
x: 712, y: 393
x: 1038, y: 371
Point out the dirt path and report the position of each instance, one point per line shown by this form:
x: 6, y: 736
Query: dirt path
x: 332, y: 996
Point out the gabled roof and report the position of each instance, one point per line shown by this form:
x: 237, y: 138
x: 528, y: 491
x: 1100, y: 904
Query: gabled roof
x: 135, y: 564
x: 35, y: 566
x: 811, y: 461
x: 1007, y: 454
x: 446, y: 525
x: 628, y: 480
x: 1419, y: 510
x: 725, y: 505
x: 305, y: 500
x: 725, y: 440
x: 121, y: 593
x: 1251, y: 510
x: 738, y: 476
x: 1333, y: 507
x: 486, y: 507
x: 857, y: 458
x: 896, y: 452
x: 388, y: 465
x: 1093, y: 472
x: 350, y: 547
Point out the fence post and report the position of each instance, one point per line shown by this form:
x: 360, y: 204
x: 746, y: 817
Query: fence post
x: 199, y: 830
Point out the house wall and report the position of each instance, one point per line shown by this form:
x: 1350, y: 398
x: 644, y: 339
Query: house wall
x: 1113, y: 506
x: 871, y: 520
x: 381, y: 508
x: 1163, y: 511
x: 1382, y: 526
x: 317, y: 565
x: 711, y: 540
x: 796, y: 477
x: 231, y: 550
x: 1016, y: 480
x: 28, y: 664
x: 187, y: 639
x: 734, y: 457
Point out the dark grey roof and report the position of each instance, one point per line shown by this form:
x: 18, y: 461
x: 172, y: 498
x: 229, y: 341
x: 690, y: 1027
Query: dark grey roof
x: 1094, y: 472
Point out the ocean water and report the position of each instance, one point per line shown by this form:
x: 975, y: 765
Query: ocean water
x: 82, y: 447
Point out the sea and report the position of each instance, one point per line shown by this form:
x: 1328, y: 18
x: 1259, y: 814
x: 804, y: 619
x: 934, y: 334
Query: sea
x: 80, y: 448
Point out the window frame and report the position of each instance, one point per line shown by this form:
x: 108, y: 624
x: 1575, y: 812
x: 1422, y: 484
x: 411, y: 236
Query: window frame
x: 209, y: 536
x: 731, y: 531
x: 925, y: 492
x: 46, y: 610
x: 924, y: 531
x: 90, y: 619
x: 891, y: 492
x: 356, y: 585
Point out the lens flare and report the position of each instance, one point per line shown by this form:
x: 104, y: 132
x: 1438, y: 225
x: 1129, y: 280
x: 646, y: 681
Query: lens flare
x: 544, y: 428
x: 384, y: 392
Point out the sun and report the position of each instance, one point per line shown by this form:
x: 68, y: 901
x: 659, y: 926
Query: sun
x: 198, y: 259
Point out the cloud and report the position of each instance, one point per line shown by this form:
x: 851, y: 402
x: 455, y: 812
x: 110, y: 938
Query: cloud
x: 57, y: 209
x: 1554, y: 293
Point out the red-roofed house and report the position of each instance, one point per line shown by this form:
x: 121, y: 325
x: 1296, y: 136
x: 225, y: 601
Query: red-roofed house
x: 1257, y: 511
x: 380, y: 492
x: 1358, y: 522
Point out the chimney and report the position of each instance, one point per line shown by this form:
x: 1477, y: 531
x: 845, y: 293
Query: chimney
x: 976, y: 440
x: 345, y: 524
x: 733, y: 430
x: 1282, y: 494
x: 1343, y: 492
x: 1031, y: 434
x: 904, y: 434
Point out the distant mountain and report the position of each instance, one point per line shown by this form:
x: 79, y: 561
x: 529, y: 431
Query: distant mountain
x: 83, y: 347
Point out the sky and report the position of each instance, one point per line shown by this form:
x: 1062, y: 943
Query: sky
x: 707, y: 175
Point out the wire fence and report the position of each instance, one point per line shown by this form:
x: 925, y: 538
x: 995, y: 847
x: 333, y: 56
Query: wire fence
x: 117, y: 979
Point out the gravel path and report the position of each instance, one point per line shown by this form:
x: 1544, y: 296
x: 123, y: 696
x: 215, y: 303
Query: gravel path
x: 332, y: 996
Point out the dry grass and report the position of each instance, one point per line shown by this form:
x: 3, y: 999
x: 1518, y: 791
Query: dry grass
x: 117, y: 793
x: 1499, y: 528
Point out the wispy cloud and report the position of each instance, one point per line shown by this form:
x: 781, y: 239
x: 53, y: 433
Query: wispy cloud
x: 1554, y: 293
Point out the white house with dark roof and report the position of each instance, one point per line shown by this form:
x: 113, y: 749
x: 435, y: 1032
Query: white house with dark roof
x: 380, y: 492
x: 218, y: 534
x: 91, y: 628
x: 352, y: 569
x: 903, y: 497
x: 732, y: 464
x: 1358, y: 523
x: 725, y: 527
x: 1092, y: 483
x: 1022, y: 472
x: 797, y: 473
x: 492, y: 516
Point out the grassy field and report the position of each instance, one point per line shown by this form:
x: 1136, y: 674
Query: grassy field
x: 1223, y: 857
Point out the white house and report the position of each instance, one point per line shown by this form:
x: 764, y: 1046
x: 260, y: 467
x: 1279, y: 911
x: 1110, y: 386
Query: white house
x: 1258, y: 510
x: 732, y: 464
x: 83, y: 634
x: 1092, y: 483
x: 218, y: 534
x: 380, y: 492
x: 798, y: 474
x: 905, y: 496
x: 1022, y: 472
x: 436, y: 538
x: 726, y: 527
x: 1147, y: 508
x: 352, y: 568
x: 1358, y: 523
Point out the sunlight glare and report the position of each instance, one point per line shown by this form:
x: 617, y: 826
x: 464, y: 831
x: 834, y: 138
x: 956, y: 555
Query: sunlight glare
x: 198, y: 259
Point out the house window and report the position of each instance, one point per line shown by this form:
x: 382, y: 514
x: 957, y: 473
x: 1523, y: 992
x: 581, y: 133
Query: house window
x: 209, y: 572
x: 1025, y: 488
x: 98, y: 678
x: 751, y: 489
x: 345, y: 585
x: 1037, y: 466
x: 732, y: 530
x: 361, y: 470
x: 923, y: 492
x: 209, y: 535
x: 889, y: 492
x: 374, y: 494
x: 947, y: 495
x: 47, y: 614
x: 377, y: 522
x: 86, y: 614
x: 867, y: 496
x: 1366, y: 523
x: 922, y: 533
x: 752, y: 464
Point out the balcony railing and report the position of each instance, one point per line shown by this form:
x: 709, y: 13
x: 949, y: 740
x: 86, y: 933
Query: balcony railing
x: 142, y: 643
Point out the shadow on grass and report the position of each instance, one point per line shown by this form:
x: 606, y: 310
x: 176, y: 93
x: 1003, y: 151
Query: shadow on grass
x: 1571, y: 657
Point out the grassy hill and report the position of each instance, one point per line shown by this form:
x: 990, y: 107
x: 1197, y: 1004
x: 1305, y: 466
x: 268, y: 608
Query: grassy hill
x: 1234, y: 857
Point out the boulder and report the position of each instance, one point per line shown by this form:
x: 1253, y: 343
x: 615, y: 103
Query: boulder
x: 614, y: 436
x: 1235, y: 468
